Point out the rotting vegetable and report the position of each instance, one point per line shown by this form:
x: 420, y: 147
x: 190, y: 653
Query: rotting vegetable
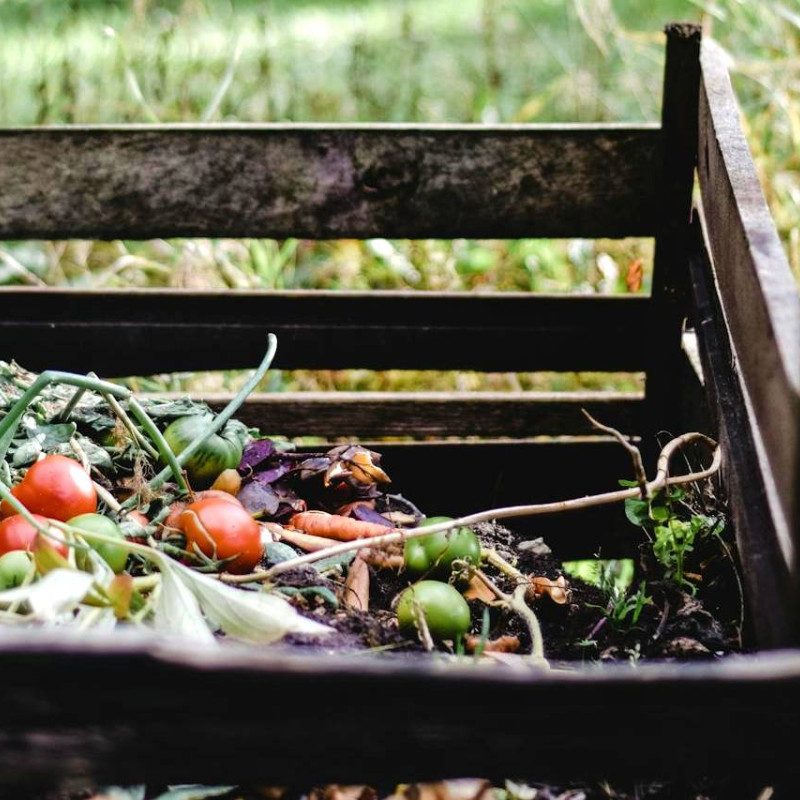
x: 434, y: 555
x: 436, y: 606
x: 17, y: 533
x: 219, y: 452
x: 224, y: 531
x: 116, y: 556
x: 15, y: 567
x: 55, y: 487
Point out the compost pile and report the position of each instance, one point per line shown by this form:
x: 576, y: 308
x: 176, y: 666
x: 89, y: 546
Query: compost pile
x: 122, y: 511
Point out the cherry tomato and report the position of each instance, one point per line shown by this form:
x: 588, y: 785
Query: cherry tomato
x: 434, y: 554
x: 446, y: 612
x: 115, y: 557
x: 55, y: 487
x: 222, y: 529
x: 14, y: 568
x: 16, y: 533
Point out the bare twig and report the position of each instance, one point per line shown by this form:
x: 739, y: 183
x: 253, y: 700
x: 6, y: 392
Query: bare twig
x: 516, y: 603
x: 661, y: 480
x: 636, y: 456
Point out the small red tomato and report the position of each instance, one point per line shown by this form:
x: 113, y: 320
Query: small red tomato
x: 222, y: 529
x: 55, y: 487
x: 16, y: 533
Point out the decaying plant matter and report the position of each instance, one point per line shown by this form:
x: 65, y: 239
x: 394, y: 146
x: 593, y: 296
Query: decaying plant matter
x: 292, y: 546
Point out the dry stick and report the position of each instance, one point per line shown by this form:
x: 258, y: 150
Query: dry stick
x: 636, y: 456
x: 661, y: 480
x: 516, y: 603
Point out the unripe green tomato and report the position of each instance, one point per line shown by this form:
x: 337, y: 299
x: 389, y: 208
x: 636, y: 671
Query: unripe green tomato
x: 434, y: 554
x: 14, y: 567
x: 214, y: 456
x: 115, y: 557
x: 445, y: 610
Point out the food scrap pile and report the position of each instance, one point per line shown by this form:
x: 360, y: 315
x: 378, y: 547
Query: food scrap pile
x: 123, y: 511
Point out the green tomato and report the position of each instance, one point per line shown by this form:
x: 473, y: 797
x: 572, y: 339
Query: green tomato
x: 444, y: 609
x: 218, y: 453
x: 14, y: 567
x: 115, y: 557
x: 434, y: 554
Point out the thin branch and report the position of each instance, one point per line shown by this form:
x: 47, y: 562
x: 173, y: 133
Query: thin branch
x: 636, y: 456
x: 661, y: 480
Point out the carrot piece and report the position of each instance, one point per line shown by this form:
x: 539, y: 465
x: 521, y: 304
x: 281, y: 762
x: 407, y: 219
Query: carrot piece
x: 356, y: 587
x: 304, y: 541
x: 333, y: 526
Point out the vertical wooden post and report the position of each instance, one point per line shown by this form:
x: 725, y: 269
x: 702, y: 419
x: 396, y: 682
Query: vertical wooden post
x: 670, y: 268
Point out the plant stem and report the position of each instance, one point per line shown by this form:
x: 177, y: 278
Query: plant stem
x: 173, y: 465
x: 509, y: 512
x: 217, y: 422
x: 135, y: 433
x: 70, y: 406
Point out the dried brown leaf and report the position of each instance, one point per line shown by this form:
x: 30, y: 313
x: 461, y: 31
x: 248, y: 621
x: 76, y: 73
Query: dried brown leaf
x: 557, y: 590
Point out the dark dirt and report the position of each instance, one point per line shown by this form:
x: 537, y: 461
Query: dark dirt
x: 673, y: 625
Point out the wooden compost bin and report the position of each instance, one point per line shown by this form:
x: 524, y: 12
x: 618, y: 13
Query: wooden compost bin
x: 122, y: 708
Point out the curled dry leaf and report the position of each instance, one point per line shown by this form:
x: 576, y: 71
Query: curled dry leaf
x: 337, y: 792
x: 556, y: 589
x: 502, y: 644
x: 478, y: 590
x: 356, y: 587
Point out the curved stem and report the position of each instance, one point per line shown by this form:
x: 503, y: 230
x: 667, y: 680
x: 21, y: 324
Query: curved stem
x: 165, y: 451
x: 218, y: 421
x: 135, y: 433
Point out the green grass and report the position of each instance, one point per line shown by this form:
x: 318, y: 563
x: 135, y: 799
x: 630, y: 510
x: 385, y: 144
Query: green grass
x: 88, y: 61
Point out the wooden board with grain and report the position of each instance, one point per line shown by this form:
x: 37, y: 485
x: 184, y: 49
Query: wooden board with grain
x: 328, y: 181
x: 760, y: 300
x: 257, y: 717
x: 135, y: 332
x: 377, y: 415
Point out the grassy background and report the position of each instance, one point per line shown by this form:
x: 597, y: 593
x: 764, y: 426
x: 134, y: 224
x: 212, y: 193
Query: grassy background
x: 86, y: 61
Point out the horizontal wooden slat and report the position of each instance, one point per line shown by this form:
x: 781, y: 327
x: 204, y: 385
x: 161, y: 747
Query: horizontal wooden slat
x: 234, y: 715
x: 760, y: 299
x: 117, y: 333
x: 324, y: 181
x: 433, y: 414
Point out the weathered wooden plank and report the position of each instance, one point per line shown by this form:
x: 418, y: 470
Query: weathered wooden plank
x: 679, y: 132
x: 773, y: 610
x: 326, y: 181
x: 759, y: 297
x: 127, y: 332
x: 433, y: 414
x: 66, y: 722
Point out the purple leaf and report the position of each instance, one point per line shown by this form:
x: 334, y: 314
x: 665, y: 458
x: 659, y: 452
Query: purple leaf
x: 258, y: 498
x: 255, y: 453
x: 367, y: 514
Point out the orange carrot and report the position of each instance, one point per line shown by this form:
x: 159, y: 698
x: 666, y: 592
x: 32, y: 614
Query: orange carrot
x: 333, y: 526
x: 305, y: 542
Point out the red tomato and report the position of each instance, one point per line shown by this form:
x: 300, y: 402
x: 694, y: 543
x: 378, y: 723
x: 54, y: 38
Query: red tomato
x: 16, y: 533
x: 55, y: 487
x: 223, y: 529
